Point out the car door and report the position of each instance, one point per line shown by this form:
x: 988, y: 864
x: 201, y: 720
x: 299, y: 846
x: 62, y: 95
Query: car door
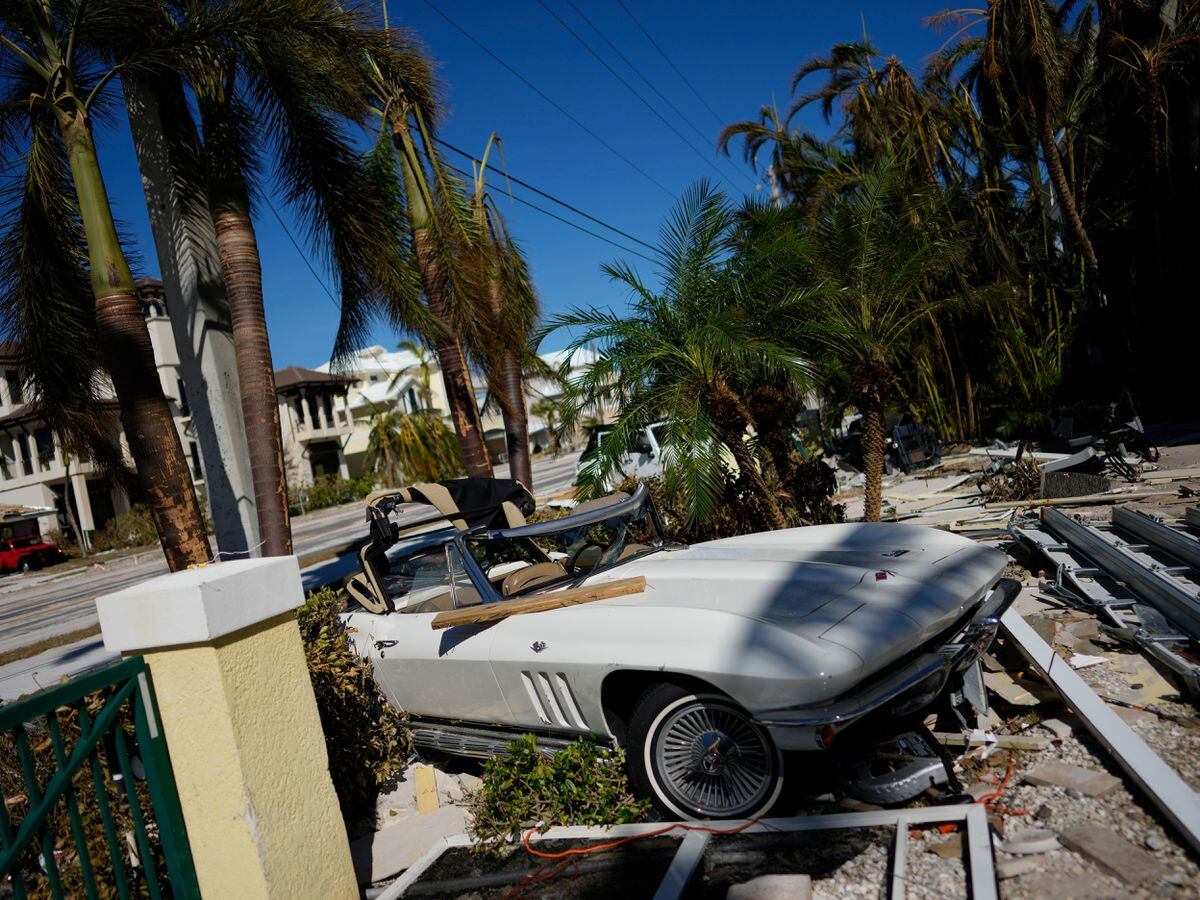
x: 439, y: 672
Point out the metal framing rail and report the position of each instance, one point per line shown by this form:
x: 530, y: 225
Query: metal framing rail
x: 981, y: 873
x: 1154, y: 531
x: 1156, y: 586
x: 1170, y: 793
x: 1077, y: 580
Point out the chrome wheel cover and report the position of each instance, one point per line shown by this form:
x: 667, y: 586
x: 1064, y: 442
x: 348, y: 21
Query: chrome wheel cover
x: 713, y: 759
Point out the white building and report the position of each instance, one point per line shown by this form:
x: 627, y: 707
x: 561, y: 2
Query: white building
x: 34, y: 471
x: 380, y: 380
x: 314, y: 423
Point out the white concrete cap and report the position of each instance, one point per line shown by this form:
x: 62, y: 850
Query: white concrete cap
x: 199, y: 605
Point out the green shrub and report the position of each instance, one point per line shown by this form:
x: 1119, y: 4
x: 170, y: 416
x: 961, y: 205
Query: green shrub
x: 366, y: 738
x: 328, y: 490
x: 130, y: 529
x: 580, y: 785
x: 809, y: 502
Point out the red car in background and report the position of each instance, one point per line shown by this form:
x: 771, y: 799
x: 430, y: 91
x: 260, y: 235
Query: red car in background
x: 20, y: 554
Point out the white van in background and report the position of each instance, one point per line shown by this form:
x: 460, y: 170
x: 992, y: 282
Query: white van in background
x: 642, y: 459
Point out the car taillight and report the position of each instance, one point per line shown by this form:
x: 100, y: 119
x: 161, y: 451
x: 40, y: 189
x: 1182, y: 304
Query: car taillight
x: 825, y: 737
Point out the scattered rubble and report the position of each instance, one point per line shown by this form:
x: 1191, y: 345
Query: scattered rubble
x: 1067, y: 821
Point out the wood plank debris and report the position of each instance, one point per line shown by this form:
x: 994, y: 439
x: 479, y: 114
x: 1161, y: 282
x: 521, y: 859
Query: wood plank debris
x: 1114, y: 854
x: 494, y: 612
x: 986, y: 739
x: 1059, y: 774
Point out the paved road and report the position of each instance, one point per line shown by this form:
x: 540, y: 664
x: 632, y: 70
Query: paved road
x: 37, y: 606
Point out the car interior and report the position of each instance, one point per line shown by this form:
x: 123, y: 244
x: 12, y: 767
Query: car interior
x: 420, y: 577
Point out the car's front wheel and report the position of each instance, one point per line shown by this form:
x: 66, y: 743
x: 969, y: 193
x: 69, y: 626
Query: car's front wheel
x: 701, y: 756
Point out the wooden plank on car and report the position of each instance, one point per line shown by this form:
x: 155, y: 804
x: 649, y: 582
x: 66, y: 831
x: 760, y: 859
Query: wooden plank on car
x: 494, y: 612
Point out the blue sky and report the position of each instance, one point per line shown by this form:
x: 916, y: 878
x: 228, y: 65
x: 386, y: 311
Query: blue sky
x: 737, y: 56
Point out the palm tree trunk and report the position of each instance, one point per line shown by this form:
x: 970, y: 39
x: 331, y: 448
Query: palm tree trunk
x: 460, y: 393
x: 872, y: 452
x: 746, y: 467
x: 730, y: 409
x: 1058, y: 177
x: 125, y: 344
x: 512, y: 407
x: 237, y: 250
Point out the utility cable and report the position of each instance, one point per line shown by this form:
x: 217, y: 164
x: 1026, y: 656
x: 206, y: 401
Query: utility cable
x: 646, y: 103
x: 663, y: 54
x: 650, y: 84
x: 550, y: 197
x: 303, y: 256
x: 565, y: 221
x: 533, y: 87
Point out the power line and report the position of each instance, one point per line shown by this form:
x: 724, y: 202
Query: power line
x: 303, y: 256
x: 529, y: 84
x: 565, y: 221
x: 646, y: 103
x: 550, y: 197
x: 650, y: 84
x: 663, y: 54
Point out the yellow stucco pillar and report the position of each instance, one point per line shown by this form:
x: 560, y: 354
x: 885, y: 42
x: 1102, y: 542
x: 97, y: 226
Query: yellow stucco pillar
x: 241, y: 724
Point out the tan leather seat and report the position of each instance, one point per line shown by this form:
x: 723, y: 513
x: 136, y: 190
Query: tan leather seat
x: 531, y: 576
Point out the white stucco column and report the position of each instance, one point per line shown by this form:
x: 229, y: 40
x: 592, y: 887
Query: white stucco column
x: 241, y: 724
x: 83, y: 503
x: 185, y: 242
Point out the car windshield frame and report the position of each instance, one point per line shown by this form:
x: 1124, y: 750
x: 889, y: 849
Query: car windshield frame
x: 636, y: 507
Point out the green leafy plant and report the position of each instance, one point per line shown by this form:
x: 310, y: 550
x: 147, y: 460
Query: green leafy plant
x: 134, y: 528
x: 366, y: 738
x: 328, y: 490
x: 582, y: 784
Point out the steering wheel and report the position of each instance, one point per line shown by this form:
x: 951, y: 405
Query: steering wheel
x: 572, y: 563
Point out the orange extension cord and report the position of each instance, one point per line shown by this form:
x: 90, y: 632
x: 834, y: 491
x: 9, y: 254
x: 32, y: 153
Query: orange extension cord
x: 559, y: 861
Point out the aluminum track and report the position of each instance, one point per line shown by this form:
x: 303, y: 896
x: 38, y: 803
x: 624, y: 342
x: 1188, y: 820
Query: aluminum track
x: 1155, y: 577
x: 1121, y: 612
x: 680, y: 876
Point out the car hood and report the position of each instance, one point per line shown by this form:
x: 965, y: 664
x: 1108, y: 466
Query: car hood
x: 878, y: 590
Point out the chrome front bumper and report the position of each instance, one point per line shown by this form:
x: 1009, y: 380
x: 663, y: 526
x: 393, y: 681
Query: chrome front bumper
x: 906, y: 689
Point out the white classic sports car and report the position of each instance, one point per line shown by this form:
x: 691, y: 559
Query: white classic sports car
x: 706, y: 662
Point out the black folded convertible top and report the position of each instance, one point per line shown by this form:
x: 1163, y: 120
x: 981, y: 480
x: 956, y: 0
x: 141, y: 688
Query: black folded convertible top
x: 479, y: 499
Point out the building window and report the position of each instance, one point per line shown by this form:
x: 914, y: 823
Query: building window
x: 313, y: 415
x: 374, y: 378
x: 45, y: 447
x: 413, y: 405
x: 197, y: 469
x: 327, y: 402
x: 185, y: 408
x: 26, y: 454
x: 299, y: 404
x: 14, y: 387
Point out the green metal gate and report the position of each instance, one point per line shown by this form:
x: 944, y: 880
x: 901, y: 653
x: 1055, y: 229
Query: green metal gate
x: 88, y: 804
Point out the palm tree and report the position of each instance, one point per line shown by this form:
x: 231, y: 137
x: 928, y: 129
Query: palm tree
x: 1022, y: 77
x: 423, y: 367
x: 412, y: 447
x: 430, y: 200
x: 509, y: 312
x: 690, y: 354
x: 547, y: 409
x: 68, y: 290
x: 873, y: 250
x: 293, y: 67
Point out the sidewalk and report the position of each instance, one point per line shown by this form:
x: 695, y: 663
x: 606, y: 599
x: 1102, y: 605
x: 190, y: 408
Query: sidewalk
x: 47, y: 668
